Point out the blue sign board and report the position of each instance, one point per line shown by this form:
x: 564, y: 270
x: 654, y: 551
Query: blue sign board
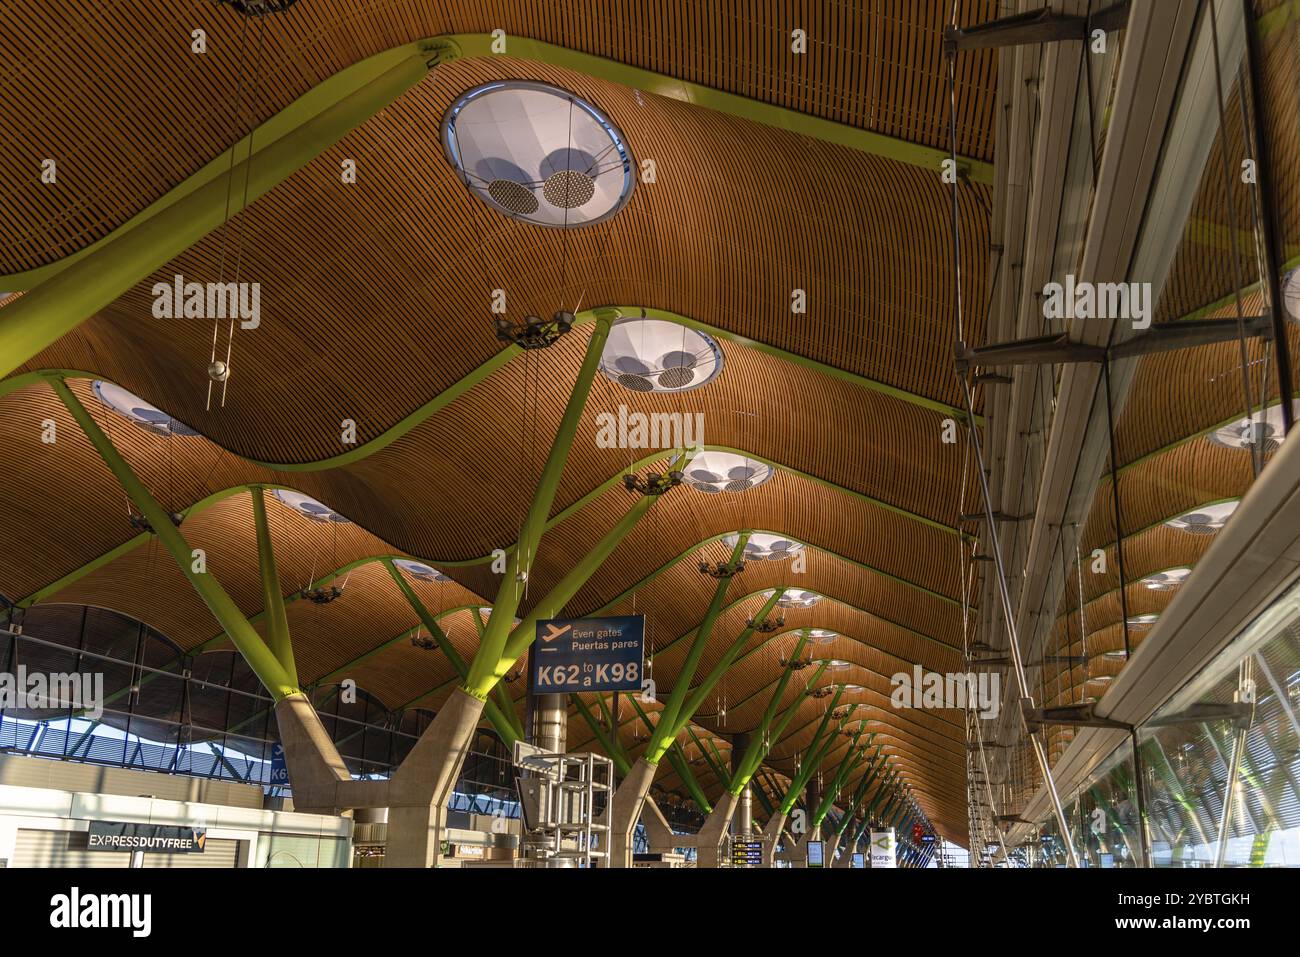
x: 279, y: 770
x: 589, y: 654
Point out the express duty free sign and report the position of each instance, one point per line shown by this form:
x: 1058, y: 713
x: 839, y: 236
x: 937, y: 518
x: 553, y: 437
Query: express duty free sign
x: 589, y: 654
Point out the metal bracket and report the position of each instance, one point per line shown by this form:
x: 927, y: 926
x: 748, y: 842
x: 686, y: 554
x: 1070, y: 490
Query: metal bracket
x: 1073, y: 715
x: 997, y: 517
x: 1236, y: 712
x: 1059, y: 348
x: 440, y: 51
x: 1034, y: 26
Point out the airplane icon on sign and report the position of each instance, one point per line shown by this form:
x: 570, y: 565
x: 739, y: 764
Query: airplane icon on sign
x: 553, y: 632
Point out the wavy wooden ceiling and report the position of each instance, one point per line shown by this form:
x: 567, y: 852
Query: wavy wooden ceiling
x: 375, y: 298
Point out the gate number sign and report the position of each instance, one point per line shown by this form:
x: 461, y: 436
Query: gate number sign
x: 589, y: 654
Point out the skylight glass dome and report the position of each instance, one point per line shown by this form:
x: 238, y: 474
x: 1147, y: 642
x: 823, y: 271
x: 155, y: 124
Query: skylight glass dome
x: 837, y: 664
x: 655, y: 355
x: 798, y: 598
x: 1267, y: 430
x: 713, y: 472
x: 1291, y: 294
x: 419, y: 571
x: 1205, y: 520
x: 764, y: 546
x: 308, y: 507
x: 538, y: 153
x: 1167, y: 580
x: 822, y: 636
x: 132, y: 407
x: 1142, y: 622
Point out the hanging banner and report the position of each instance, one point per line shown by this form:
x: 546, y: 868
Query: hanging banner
x: 589, y: 654
x: 883, y: 844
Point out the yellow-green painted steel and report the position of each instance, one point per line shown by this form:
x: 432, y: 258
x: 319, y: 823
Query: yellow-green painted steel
x: 277, y: 623
x: 260, y: 658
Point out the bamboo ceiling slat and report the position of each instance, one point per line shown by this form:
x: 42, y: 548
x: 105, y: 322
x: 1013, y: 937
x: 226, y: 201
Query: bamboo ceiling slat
x: 877, y: 67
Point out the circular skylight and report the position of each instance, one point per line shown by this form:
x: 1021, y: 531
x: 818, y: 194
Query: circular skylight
x: 837, y: 664
x: 852, y: 687
x: 308, y: 507
x: 419, y: 571
x: 139, y: 411
x: 1142, y: 622
x: 655, y: 355
x: 763, y: 546
x: 1291, y: 294
x: 713, y: 472
x: 822, y: 636
x: 1263, y: 428
x: 1166, y: 580
x: 1205, y: 520
x: 798, y: 598
x: 538, y: 153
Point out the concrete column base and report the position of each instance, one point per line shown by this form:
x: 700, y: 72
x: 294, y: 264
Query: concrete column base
x: 659, y: 834
x: 714, y: 832
x: 416, y: 795
x: 772, y: 837
x: 626, y: 808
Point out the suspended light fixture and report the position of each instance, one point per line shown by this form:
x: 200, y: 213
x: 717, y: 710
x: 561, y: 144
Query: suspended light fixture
x: 1167, y: 580
x: 137, y: 410
x: 652, y: 483
x: 655, y: 355
x: 419, y: 571
x: 715, y: 471
x: 1205, y: 520
x: 764, y: 546
x: 533, y: 332
x: 767, y: 625
x: 308, y: 507
x: 538, y: 154
x: 258, y: 8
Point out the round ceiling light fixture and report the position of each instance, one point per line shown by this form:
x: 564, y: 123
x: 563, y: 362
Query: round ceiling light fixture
x: 420, y: 571
x: 1205, y: 520
x: 713, y: 471
x: 655, y: 355
x: 1167, y: 580
x: 764, y: 546
x: 537, y: 153
x: 822, y: 636
x: 797, y: 598
x: 1264, y: 429
x: 308, y: 507
x: 139, y: 411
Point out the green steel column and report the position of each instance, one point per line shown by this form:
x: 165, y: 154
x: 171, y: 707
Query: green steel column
x: 813, y: 757
x: 483, y: 671
x: 677, y: 760
x: 712, y: 756
x: 525, y: 632
x: 751, y: 756
x: 245, y: 638
x: 863, y: 789
x: 277, y: 622
x: 500, y: 719
x: 65, y: 300
x: 755, y: 760
x: 681, y: 687
x: 613, y: 750
x: 851, y: 760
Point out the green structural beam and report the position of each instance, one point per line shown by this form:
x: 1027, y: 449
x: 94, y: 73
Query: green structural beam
x: 678, y: 761
x: 847, y: 766
x: 505, y: 721
x: 484, y: 671
x: 863, y: 789
x: 74, y: 293
x: 260, y: 658
x: 665, y: 731
x: 277, y: 624
x: 813, y: 755
x: 608, y: 744
x: 506, y: 702
x: 761, y: 739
